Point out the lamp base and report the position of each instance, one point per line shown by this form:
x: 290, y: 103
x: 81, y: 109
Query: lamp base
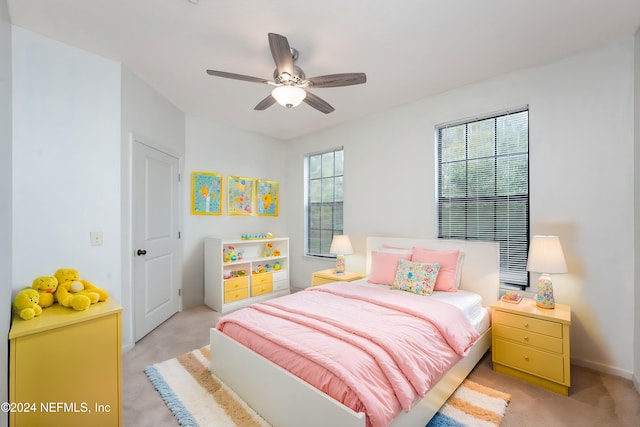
x: 544, y: 298
x: 340, y: 264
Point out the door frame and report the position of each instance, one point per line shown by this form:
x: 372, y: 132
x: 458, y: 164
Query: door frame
x: 128, y: 318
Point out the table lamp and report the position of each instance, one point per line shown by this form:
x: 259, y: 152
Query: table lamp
x: 545, y: 256
x: 340, y: 246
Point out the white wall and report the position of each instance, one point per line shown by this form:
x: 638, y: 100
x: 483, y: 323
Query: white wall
x: 157, y: 122
x: 66, y: 162
x: 5, y: 198
x: 581, y: 160
x: 222, y: 150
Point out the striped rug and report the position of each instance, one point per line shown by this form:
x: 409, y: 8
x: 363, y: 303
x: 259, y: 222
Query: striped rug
x: 196, y: 397
x: 472, y: 405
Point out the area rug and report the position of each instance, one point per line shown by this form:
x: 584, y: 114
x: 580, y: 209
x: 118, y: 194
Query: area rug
x: 196, y: 397
x: 472, y: 405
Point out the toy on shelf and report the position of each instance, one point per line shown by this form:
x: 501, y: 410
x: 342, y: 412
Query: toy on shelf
x: 26, y: 304
x: 235, y: 273
x: 276, y: 266
x: 268, y: 250
x: 256, y: 236
x: 46, y: 287
x: 230, y: 254
x: 77, y: 293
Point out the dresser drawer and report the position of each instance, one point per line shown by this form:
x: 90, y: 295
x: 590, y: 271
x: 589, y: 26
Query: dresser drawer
x: 529, y: 359
x: 236, y: 295
x: 316, y: 280
x: 279, y: 285
x: 236, y: 283
x: 544, y: 327
x: 265, y: 288
x: 261, y: 279
x: 279, y: 275
x: 543, y: 342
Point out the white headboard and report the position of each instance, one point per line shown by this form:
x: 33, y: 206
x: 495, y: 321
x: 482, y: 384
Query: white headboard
x: 480, y: 269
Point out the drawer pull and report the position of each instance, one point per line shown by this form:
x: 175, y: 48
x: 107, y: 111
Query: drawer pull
x: 526, y: 325
x: 526, y: 358
x: 526, y: 338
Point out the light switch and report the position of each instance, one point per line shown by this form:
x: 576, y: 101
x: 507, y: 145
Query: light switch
x: 96, y: 238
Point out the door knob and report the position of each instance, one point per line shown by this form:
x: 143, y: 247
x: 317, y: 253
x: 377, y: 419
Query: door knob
x: 141, y: 252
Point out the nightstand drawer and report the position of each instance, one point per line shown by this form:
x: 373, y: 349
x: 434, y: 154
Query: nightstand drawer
x: 261, y: 279
x: 315, y: 281
x: 236, y: 295
x: 265, y: 288
x: 529, y: 359
x: 544, y: 327
x: 543, y: 342
x: 236, y: 283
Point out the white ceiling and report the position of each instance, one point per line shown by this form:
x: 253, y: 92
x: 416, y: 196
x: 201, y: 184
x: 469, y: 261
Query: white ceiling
x: 409, y: 49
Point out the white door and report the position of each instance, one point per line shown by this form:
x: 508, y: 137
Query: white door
x: 156, y: 244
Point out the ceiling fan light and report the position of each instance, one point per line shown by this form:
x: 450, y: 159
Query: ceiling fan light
x: 289, y: 96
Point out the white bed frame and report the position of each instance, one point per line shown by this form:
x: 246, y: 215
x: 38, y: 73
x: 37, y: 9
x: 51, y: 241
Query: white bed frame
x: 284, y: 400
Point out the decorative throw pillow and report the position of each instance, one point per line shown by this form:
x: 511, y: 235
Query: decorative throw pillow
x: 416, y: 277
x: 449, y: 266
x: 384, y: 266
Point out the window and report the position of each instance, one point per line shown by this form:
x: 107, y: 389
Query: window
x: 483, y: 186
x: 323, y: 200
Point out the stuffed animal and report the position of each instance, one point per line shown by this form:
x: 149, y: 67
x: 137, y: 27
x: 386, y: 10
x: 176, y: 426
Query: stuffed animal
x: 26, y: 304
x: 46, y: 287
x: 75, y: 292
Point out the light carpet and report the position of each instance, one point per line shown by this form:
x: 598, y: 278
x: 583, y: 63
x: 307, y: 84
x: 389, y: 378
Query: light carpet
x: 196, y: 397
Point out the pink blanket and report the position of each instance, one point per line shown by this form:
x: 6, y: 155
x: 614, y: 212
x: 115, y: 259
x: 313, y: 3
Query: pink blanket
x: 375, y: 350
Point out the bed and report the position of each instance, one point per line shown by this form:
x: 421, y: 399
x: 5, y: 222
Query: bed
x: 285, y: 400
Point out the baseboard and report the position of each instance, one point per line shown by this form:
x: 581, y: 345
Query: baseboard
x: 127, y: 347
x: 606, y: 369
x: 636, y: 383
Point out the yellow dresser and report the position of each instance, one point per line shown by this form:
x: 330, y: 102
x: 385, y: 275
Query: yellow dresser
x: 532, y: 343
x: 65, y: 368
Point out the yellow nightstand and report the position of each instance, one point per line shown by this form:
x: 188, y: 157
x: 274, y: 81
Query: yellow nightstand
x: 532, y: 343
x: 65, y: 367
x: 328, y: 276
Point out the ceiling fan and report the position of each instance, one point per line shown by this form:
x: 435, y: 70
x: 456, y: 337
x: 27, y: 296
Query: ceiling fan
x: 290, y: 81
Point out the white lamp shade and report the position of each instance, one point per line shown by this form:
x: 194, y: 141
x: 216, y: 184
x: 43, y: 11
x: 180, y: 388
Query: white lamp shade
x: 341, y: 245
x: 289, y: 96
x: 546, y: 256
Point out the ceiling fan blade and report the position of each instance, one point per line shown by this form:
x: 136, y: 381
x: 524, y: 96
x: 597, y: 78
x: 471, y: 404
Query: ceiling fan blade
x: 281, y: 52
x: 318, y: 103
x: 336, y: 80
x: 236, y: 76
x: 265, y: 103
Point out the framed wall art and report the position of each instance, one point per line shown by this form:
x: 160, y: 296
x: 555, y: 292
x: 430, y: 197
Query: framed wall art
x: 267, y: 197
x: 206, y: 193
x: 240, y: 197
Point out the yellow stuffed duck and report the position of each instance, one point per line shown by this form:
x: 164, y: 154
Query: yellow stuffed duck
x: 46, y: 287
x: 26, y: 304
x: 77, y: 293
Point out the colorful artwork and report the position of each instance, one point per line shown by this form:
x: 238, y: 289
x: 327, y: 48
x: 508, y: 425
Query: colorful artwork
x: 206, y: 193
x: 267, y: 197
x: 240, y: 200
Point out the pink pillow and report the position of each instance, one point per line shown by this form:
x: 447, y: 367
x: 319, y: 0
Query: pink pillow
x: 384, y: 267
x: 448, y: 260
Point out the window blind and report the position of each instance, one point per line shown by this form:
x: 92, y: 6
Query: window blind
x: 483, y: 186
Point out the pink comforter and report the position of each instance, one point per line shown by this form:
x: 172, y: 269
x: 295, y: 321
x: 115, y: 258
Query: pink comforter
x: 375, y: 350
